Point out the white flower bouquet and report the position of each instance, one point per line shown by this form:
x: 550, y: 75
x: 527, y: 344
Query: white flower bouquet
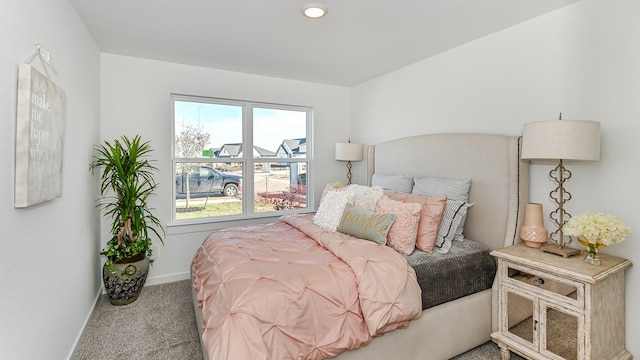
x: 597, y: 228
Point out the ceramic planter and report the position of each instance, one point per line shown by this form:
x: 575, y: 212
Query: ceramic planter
x: 123, y: 281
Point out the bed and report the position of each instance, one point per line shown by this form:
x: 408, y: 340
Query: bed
x: 441, y: 329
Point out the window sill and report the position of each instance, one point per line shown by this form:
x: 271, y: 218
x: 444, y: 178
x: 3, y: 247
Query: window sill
x: 185, y: 227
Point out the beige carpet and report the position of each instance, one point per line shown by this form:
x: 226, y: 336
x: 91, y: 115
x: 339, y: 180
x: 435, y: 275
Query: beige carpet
x: 161, y: 325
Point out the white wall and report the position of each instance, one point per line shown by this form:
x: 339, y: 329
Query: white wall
x: 135, y: 99
x: 49, y: 258
x: 582, y: 60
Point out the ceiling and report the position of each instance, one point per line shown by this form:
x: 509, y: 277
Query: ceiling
x: 356, y: 41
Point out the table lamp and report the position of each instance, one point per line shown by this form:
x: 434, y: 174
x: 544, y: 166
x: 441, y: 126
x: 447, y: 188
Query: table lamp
x: 349, y: 152
x: 561, y: 140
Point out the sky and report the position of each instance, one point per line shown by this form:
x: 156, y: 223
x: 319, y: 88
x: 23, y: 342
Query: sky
x: 224, y: 123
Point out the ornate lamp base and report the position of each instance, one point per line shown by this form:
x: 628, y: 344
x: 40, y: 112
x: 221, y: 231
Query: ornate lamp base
x: 349, y: 176
x: 562, y: 251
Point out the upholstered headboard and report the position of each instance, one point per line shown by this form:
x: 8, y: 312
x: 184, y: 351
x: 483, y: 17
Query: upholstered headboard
x: 499, y: 179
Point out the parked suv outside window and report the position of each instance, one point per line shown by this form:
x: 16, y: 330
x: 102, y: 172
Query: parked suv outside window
x: 207, y: 180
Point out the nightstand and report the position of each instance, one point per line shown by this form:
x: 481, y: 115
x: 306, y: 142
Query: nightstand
x: 556, y: 308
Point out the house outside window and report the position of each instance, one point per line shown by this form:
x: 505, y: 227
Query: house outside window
x: 239, y: 159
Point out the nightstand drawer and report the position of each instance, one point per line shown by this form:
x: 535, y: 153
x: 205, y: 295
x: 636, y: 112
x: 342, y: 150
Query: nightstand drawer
x: 562, y: 290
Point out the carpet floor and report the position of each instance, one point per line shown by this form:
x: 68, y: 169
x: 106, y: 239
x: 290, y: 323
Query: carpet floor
x: 161, y: 325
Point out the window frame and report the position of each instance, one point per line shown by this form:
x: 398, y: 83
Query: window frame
x: 247, y: 159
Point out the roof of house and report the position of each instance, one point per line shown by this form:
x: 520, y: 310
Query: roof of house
x: 264, y: 152
x: 235, y: 150
x: 231, y: 149
x: 294, y: 146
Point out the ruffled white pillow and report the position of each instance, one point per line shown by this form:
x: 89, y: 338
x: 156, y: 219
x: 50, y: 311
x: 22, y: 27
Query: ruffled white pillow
x: 331, y: 209
x: 365, y: 197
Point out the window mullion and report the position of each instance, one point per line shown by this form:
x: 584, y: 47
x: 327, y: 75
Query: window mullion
x: 247, y: 153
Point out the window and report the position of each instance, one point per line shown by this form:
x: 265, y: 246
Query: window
x: 238, y: 159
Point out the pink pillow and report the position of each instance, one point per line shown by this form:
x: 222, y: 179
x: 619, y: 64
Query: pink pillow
x: 402, y: 235
x: 430, y: 216
x: 329, y: 188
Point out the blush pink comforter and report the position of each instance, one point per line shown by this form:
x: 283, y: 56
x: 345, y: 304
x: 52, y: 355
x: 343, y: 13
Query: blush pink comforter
x: 291, y: 290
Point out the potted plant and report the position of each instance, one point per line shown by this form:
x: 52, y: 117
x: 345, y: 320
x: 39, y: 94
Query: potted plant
x: 126, y: 185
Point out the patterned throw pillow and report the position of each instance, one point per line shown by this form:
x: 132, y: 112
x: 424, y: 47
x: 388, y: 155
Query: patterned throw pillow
x: 366, y: 224
x: 331, y: 209
x: 430, y: 217
x: 403, y: 232
x: 453, y: 215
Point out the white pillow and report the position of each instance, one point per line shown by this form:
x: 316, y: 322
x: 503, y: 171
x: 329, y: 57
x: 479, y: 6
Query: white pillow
x: 331, y: 209
x: 397, y: 183
x: 365, y: 197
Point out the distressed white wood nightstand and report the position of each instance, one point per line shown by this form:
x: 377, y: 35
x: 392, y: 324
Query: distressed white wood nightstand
x: 550, y: 307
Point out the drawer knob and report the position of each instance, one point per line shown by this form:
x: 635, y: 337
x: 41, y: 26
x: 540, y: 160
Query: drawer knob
x: 538, y: 281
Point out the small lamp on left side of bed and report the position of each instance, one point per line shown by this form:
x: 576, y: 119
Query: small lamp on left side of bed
x: 349, y: 152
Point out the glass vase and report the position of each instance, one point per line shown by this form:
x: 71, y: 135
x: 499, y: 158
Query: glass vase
x: 593, y: 256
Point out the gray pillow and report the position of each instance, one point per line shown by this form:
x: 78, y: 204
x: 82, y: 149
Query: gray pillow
x: 453, y: 189
x: 366, y: 224
x: 397, y: 183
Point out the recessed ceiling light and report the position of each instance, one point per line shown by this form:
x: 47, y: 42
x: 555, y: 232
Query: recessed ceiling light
x: 314, y: 10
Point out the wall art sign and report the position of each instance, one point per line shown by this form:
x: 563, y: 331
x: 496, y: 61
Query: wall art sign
x: 40, y: 123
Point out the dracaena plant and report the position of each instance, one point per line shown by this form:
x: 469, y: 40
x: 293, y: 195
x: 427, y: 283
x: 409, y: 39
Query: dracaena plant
x: 127, y: 183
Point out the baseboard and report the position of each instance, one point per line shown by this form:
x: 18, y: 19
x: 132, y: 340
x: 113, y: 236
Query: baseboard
x: 156, y: 280
x: 80, y: 337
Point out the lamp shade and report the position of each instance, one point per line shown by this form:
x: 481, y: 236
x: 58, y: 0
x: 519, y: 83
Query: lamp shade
x: 561, y: 140
x: 349, y: 151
